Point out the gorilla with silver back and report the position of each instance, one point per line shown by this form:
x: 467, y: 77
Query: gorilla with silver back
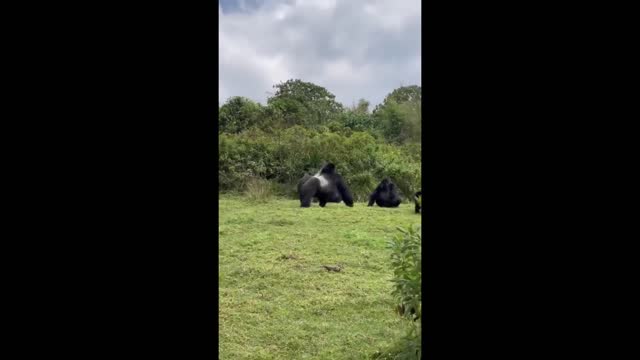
x: 327, y: 185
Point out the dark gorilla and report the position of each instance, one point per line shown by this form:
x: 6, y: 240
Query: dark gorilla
x: 417, y: 199
x: 385, y: 195
x: 327, y: 185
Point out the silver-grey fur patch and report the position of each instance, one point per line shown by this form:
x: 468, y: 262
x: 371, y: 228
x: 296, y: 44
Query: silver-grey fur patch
x: 323, y: 181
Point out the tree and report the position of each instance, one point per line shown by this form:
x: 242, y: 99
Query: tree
x: 304, y: 103
x: 390, y: 121
x: 399, y: 117
x: 363, y: 106
x: 403, y: 94
x: 238, y: 114
x: 357, y: 120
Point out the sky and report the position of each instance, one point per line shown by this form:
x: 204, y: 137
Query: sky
x: 353, y: 48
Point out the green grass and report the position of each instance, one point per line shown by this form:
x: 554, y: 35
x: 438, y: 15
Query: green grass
x: 277, y: 302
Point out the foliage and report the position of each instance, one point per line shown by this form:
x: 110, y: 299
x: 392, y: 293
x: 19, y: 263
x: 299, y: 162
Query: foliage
x: 363, y: 106
x: 399, y: 122
x: 357, y: 120
x: 405, y: 348
x: 401, y: 168
x: 283, y: 156
x: 304, y: 103
x: 399, y: 117
x: 238, y: 114
x: 406, y: 262
x: 403, y: 94
x: 302, y: 126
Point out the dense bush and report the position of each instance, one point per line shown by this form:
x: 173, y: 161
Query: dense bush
x: 283, y: 156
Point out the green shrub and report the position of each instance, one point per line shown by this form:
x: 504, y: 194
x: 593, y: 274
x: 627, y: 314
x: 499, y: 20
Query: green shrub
x: 406, y: 262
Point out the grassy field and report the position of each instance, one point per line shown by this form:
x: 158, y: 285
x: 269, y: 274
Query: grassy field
x: 278, y: 302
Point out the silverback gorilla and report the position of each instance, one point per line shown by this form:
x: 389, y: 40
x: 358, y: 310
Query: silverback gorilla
x: 327, y: 185
x: 385, y: 195
x: 417, y: 199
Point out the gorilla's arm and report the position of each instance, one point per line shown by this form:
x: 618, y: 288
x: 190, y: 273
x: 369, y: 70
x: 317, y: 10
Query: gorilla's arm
x: 307, y: 190
x: 344, y: 192
x: 376, y: 193
x: 393, y: 189
x: 302, y: 181
x: 372, y: 197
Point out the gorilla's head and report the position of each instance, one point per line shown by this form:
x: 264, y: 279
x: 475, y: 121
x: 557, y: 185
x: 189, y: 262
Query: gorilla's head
x: 328, y: 169
x: 386, y: 185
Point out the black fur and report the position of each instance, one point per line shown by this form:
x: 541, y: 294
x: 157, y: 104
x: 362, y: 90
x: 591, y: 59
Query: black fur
x: 415, y: 200
x: 335, y: 191
x: 385, y: 195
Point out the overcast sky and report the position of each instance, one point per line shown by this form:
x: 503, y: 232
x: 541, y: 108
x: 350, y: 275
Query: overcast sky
x: 354, y: 48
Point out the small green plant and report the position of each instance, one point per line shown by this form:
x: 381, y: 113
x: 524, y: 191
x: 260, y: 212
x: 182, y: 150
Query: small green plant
x: 406, y: 262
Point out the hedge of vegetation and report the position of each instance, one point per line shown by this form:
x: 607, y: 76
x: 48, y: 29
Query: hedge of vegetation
x: 302, y: 127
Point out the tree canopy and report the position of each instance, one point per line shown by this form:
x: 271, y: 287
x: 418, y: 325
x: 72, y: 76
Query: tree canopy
x: 302, y: 125
x: 304, y: 103
x: 398, y: 119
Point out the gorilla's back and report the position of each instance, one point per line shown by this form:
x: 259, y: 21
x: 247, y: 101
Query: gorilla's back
x: 303, y: 180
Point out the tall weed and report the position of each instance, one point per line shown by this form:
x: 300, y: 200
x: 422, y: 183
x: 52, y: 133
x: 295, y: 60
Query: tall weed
x: 258, y: 190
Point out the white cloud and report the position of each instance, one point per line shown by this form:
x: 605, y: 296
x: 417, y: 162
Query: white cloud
x: 354, y: 48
